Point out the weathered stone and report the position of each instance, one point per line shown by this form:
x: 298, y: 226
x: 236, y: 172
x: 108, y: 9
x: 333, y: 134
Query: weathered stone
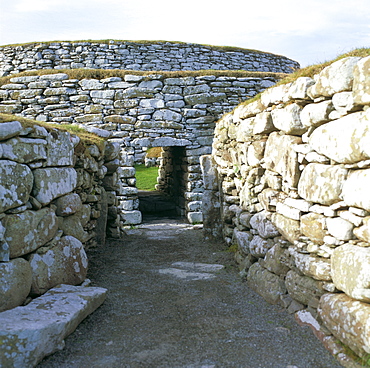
x: 65, y: 262
x: 363, y: 232
x: 316, y: 114
x: 9, y: 129
x: 315, y: 267
x: 212, y: 223
x: 68, y: 204
x: 23, y: 150
x: 355, y: 189
x: 27, y: 231
x: 361, y: 85
x: 209, y: 172
x: 30, y: 333
x: 263, y: 123
x: 256, y: 152
x: 298, y: 89
x: 131, y: 217
x: 195, y: 217
x: 322, y: 183
x: 313, y: 225
x: 281, y: 158
x: 16, y: 182
x: 303, y: 289
x: 16, y: 278
x: 263, y: 225
x: 344, y: 140
x: 290, y: 229
x: 337, y: 77
x: 51, y: 183
x: 288, y: 119
x: 265, y: 283
x: 71, y: 225
x: 350, y: 271
x: 259, y: 246
x: 60, y: 149
x: 273, y: 258
x: 348, y: 320
x: 340, y: 228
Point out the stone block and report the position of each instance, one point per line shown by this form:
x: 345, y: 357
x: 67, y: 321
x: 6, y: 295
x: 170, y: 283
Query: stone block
x: 273, y: 260
x: 265, y: 283
x: 60, y: 149
x: 261, y: 223
x: 16, y: 181
x: 68, y: 205
x: 348, y: 320
x: 29, y: 230
x: 288, y: 119
x: 195, y: 217
x: 10, y: 129
x: 355, y: 189
x: 361, y: 85
x: 337, y: 77
x: 30, y: 333
x: 53, y: 182
x: 350, y: 266
x: 16, y: 279
x: 288, y: 228
x: 344, y: 140
x: 64, y: 262
x: 281, y: 158
x: 303, y: 289
x: 340, y: 228
x: 209, y: 172
x: 322, y: 183
x: 314, y: 115
x: 131, y: 217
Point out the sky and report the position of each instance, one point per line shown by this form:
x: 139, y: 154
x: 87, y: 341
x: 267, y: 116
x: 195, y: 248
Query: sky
x: 310, y: 32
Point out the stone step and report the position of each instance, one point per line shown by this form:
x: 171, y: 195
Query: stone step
x: 29, y: 333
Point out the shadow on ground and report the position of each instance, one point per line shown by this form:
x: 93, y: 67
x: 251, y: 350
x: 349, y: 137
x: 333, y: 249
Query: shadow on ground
x: 165, y: 310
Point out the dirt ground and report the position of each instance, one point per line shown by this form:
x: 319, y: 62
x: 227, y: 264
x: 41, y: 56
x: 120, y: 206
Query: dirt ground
x: 163, y: 314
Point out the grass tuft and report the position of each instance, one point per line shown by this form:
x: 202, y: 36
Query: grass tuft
x: 146, y: 177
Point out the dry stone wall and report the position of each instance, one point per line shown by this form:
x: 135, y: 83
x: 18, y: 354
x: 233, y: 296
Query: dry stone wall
x: 290, y: 176
x: 54, y: 204
x: 137, y: 56
x: 137, y: 112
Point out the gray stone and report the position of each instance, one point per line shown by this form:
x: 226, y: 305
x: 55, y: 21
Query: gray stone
x: 16, y: 182
x: 260, y: 246
x: 10, y: 129
x: 16, y: 279
x: 273, y: 260
x: 242, y: 239
x: 71, y: 225
x: 64, y: 262
x: 322, y: 183
x: 316, y: 114
x: 348, y: 320
x: 303, y: 289
x: 51, y: 183
x: 265, y: 283
x: 209, y: 172
x: 290, y: 229
x: 263, y: 225
x: 30, y: 333
x: 131, y: 217
x: 195, y: 217
x: 60, y: 149
x: 23, y: 150
x: 350, y: 271
x: 68, y: 204
x: 27, y: 231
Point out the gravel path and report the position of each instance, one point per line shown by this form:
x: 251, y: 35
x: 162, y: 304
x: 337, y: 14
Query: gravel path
x: 170, y: 306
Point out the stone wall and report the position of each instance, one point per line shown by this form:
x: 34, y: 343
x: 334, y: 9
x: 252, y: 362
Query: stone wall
x: 55, y: 203
x: 137, y: 56
x: 137, y: 112
x: 292, y: 190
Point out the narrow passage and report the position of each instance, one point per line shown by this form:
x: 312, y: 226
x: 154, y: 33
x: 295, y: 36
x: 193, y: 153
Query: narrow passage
x: 176, y: 301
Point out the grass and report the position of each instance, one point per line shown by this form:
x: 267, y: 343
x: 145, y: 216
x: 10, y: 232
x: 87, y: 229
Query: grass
x: 107, y: 73
x: 86, y: 137
x: 146, y: 177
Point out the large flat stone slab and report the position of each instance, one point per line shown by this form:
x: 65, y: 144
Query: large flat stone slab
x: 30, y: 333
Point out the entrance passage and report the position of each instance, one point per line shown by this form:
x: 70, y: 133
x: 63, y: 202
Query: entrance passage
x: 167, y: 200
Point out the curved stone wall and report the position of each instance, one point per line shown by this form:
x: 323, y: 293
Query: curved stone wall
x: 128, y: 55
x: 138, y: 112
x: 294, y: 169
